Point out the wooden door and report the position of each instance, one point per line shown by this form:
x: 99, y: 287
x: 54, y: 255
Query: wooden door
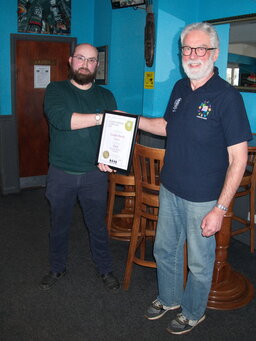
x: 32, y: 126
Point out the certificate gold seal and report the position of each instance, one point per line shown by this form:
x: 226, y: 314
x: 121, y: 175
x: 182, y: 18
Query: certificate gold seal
x: 105, y: 154
x: 129, y: 125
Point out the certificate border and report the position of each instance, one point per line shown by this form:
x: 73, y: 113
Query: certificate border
x: 131, y: 149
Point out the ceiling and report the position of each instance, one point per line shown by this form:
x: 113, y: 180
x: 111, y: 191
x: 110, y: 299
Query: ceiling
x: 243, y: 32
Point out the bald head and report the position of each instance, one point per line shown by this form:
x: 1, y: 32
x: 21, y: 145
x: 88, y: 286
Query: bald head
x: 85, y: 48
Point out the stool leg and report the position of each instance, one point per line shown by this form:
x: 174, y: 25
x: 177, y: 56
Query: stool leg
x: 131, y: 252
x: 252, y: 213
x: 142, y: 242
x: 111, y: 201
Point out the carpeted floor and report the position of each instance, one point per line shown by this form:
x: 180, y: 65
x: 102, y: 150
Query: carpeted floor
x: 78, y: 308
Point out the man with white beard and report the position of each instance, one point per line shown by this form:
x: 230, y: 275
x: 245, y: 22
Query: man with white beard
x: 207, y: 131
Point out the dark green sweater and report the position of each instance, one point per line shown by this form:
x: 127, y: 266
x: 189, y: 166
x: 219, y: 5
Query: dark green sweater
x: 74, y: 150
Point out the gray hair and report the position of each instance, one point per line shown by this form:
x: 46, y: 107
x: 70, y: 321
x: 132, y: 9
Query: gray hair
x: 205, y: 27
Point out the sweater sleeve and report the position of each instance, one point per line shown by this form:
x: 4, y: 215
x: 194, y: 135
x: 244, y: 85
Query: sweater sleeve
x: 54, y: 106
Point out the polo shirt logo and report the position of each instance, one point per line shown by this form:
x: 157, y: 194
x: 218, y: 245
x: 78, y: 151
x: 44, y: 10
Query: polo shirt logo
x: 176, y: 104
x: 204, y: 110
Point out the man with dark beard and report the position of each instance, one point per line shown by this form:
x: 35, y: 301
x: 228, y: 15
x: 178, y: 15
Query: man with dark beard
x: 74, y: 110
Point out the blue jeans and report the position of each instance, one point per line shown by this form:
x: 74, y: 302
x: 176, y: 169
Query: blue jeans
x: 180, y: 220
x: 62, y: 191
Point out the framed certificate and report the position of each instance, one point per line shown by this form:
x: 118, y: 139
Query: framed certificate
x: 117, y: 141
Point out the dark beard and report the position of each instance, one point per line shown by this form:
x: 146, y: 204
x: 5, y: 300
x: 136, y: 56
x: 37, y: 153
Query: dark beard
x: 81, y: 78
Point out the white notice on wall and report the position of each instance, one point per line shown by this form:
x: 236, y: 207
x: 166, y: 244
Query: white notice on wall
x: 42, y: 76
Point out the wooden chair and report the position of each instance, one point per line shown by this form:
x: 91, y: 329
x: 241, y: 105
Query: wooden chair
x: 121, y: 192
x: 247, y: 188
x: 147, y: 164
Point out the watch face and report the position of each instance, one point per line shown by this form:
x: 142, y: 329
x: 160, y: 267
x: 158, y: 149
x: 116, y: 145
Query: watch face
x: 97, y: 118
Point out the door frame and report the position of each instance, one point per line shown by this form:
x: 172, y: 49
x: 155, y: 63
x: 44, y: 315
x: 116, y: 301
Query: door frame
x: 35, y: 181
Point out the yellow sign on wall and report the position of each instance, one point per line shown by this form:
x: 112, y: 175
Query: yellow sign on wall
x: 149, y: 80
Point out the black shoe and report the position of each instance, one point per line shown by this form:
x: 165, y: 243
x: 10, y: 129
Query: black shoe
x: 50, y: 280
x: 110, y: 282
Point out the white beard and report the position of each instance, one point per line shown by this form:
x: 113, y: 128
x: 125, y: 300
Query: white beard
x: 198, y: 73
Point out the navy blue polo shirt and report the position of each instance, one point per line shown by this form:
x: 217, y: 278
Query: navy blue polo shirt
x: 201, y: 124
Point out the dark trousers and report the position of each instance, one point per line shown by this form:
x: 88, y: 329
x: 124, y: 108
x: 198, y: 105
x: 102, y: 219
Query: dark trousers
x: 62, y: 191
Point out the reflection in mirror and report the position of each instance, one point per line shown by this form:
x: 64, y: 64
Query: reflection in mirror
x: 241, y: 68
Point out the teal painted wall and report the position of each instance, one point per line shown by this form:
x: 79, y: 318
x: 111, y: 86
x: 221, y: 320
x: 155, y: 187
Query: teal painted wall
x: 82, y: 22
x: 214, y: 9
x: 127, y: 58
x: 8, y: 24
x: 102, y: 23
x: 122, y: 30
x: 171, y: 17
x: 240, y: 59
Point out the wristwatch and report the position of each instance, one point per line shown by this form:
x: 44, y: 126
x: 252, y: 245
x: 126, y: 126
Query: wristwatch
x: 221, y: 207
x: 98, y: 119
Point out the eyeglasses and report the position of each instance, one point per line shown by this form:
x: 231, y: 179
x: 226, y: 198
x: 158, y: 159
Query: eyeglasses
x: 200, y: 51
x: 81, y: 59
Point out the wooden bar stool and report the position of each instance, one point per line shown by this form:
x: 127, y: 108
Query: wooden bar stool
x: 121, y: 192
x: 247, y: 188
x: 230, y: 289
x: 147, y: 164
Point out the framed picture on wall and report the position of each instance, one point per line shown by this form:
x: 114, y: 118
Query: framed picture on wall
x: 102, y: 72
x: 44, y: 16
x: 127, y: 3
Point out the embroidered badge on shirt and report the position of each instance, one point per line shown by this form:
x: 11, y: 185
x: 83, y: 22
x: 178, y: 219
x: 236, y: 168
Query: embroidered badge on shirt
x: 204, y: 110
x: 176, y: 104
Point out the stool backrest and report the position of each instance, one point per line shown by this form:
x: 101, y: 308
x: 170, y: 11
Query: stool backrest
x: 249, y: 176
x: 147, y: 163
x: 247, y: 188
